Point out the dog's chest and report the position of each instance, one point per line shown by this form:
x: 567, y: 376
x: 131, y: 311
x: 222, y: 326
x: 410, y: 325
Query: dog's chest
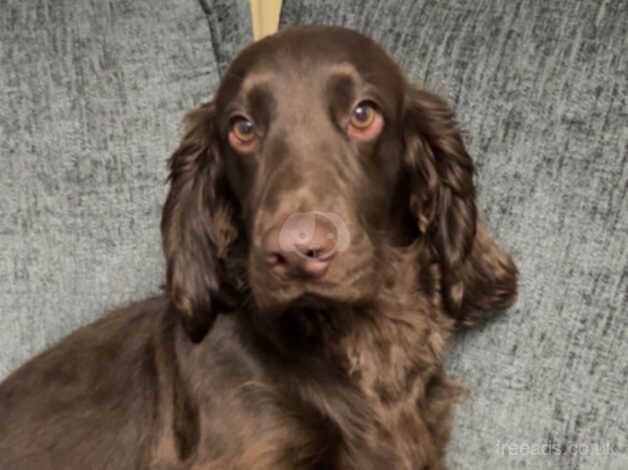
x: 402, y: 399
x: 346, y: 426
x: 378, y: 409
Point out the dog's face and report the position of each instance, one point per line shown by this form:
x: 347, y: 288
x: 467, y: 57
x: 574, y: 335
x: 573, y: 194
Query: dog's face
x: 308, y: 121
x: 314, y: 155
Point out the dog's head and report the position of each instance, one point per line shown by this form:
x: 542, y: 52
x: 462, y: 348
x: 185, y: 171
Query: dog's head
x: 314, y: 154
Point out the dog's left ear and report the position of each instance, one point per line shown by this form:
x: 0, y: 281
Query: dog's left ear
x: 478, y: 276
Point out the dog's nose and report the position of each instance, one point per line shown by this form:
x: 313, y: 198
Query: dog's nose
x: 304, y: 245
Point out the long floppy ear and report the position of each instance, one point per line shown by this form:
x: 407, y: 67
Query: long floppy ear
x: 478, y: 276
x: 197, y: 225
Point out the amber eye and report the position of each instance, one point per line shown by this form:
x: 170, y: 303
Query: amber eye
x: 243, y: 130
x: 363, y: 115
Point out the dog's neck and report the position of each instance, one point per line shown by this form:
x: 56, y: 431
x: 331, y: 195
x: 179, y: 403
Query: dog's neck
x: 409, y: 329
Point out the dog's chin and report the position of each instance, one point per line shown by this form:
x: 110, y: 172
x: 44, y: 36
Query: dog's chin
x: 307, y: 320
x: 309, y: 304
x: 272, y: 298
x: 293, y: 303
x: 305, y: 301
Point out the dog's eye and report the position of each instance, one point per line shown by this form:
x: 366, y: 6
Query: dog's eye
x: 243, y: 130
x: 365, y: 122
x: 363, y: 115
x: 243, y: 135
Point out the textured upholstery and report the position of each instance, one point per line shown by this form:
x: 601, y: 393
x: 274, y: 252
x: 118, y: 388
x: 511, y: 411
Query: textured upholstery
x: 92, y: 96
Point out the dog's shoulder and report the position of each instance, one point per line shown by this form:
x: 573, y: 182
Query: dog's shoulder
x: 111, y: 339
x: 82, y: 391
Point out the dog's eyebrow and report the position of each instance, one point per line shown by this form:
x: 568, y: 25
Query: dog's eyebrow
x: 344, y: 83
x: 256, y: 80
x: 344, y: 68
x: 340, y: 91
x: 253, y: 96
x: 260, y: 101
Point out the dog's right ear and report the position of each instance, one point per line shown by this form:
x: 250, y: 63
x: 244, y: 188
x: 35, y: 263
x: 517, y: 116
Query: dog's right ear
x: 196, y: 224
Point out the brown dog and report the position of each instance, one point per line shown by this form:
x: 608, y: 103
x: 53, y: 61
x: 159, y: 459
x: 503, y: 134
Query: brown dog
x: 322, y: 242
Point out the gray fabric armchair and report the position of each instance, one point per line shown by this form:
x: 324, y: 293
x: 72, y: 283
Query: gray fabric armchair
x: 93, y: 94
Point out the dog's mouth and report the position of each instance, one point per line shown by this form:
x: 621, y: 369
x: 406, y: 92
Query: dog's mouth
x: 273, y: 296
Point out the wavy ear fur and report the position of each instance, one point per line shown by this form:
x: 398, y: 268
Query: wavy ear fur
x: 478, y: 276
x: 196, y: 225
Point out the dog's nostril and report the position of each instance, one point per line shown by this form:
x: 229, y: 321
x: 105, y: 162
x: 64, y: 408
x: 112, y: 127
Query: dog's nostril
x: 313, y: 253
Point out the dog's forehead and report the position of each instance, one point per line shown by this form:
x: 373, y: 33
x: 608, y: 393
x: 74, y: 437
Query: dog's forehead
x: 318, y: 75
x: 315, y: 44
x: 311, y: 55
